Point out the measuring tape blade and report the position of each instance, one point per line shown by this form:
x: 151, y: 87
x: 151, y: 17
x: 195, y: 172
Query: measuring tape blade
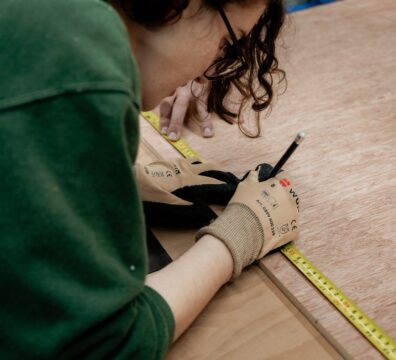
x: 180, y: 145
x: 359, y: 319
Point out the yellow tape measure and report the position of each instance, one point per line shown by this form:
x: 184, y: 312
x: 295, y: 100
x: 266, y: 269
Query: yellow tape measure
x: 359, y: 319
x: 377, y: 336
x: 180, y: 145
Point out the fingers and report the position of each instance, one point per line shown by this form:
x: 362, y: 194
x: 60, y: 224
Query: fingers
x: 166, y: 106
x: 219, y: 194
x: 165, y: 111
x: 195, y: 166
x: 223, y: 176
x: 204, y: 119
x: 174, y: 110
x: 177, y: 216
x: 179, y: 110
x: 198, y: 167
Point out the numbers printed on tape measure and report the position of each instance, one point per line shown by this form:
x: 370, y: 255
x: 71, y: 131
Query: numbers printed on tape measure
x: 377, y: 336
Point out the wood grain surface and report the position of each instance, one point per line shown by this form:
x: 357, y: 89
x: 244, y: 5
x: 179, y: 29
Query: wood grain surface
x: 251, y: 319
x: 341, y: 69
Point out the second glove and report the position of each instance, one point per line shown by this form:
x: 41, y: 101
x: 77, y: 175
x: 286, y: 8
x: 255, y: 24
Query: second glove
x: 177, y: 193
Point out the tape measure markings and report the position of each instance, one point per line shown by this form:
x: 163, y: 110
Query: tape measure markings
x: 358, y: 318
x: 180, y: 145
x: 377, y: 336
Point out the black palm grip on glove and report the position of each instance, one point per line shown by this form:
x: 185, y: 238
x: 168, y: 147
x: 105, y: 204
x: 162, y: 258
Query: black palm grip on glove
x: 264, y: 172
x: 222, y: 193
x: 178, y: 216
x: 198, y: 213
x: 219, y: 194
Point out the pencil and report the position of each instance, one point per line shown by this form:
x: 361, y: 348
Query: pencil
x: 297, y: 141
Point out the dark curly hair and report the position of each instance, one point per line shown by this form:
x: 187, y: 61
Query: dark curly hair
x: 255, y: 83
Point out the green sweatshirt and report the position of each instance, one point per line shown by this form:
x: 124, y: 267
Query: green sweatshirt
x: 72, y: 242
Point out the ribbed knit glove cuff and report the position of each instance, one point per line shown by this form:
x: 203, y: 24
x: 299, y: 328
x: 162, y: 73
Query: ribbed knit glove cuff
x: 240, y: 230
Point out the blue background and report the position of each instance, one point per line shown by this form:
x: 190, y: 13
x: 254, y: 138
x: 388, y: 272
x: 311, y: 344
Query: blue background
x: 296, y: 5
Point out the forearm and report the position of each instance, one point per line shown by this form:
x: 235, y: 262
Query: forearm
x: 192, y: 280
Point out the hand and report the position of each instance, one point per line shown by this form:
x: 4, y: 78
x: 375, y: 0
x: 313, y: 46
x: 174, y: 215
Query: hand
x: 177, y: 193
x: 187, y: 100
x: 260, y: 217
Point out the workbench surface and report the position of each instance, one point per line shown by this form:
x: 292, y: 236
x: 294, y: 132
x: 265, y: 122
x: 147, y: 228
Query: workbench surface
x: 341, y: 70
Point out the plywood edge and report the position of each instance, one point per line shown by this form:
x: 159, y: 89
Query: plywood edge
x: 311, y: 319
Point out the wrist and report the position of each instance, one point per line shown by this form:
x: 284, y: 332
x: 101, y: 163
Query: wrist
x: 220, y: 253
x: 239, y: 228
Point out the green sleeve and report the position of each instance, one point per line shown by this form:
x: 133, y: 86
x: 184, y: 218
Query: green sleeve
x: 72, y: 250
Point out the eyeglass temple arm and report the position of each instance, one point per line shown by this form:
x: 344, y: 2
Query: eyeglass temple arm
x: 229, y: 28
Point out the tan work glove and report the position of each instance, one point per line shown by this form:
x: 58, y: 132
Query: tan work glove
x: 178, y: 192
x: 260, y: 217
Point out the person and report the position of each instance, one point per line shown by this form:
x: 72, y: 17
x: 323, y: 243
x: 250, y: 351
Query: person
x: 74, y: 76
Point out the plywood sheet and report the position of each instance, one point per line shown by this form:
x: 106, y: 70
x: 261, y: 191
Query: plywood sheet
x: 248, y: 318
x: 251, y: 319
x: 340, y: 61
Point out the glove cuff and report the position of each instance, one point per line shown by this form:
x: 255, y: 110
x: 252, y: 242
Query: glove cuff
x: 240, y: 230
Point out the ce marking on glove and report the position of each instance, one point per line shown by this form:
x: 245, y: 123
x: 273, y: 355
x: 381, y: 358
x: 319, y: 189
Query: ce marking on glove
x: 294, y: 225
x: 177, y: 170
x: 284, y: 229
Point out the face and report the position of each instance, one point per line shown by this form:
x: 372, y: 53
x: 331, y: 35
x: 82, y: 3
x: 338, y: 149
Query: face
x: 171, y: 55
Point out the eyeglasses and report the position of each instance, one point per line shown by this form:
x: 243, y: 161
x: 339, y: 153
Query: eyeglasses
x: 232, y: 62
